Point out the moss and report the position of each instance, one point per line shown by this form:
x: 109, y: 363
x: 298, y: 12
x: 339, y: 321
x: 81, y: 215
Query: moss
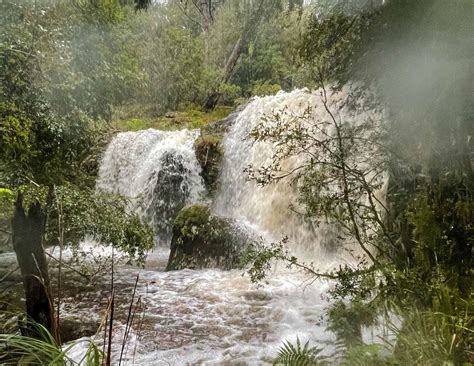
x: 208, y: 140
x: 189, y: 217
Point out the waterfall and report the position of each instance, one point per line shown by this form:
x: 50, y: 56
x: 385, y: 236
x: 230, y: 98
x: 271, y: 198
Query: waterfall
x: 212, y: 316
x: 157, y: 170
x: 267, y: 208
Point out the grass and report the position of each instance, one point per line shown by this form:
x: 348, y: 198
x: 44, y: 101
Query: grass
x: 23, y: 350
x: 435, y: 338
x: 135, y: 118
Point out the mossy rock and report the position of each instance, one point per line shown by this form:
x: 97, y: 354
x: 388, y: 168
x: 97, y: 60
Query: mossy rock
x: 221, y: 127
x: 202, y: 240
x: 209, y: 154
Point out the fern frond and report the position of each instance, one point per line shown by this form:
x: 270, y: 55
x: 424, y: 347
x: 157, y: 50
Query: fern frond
x: 298, y: 355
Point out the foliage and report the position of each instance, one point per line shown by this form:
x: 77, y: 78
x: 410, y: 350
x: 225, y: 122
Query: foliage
x: 342, y: 164
x: 345, y: 320
x: 78, y: 213
x: 272, y: 55
x: 443, y: 230
x: 91, y: 65
x: 53, y: 102
x: 44, y: 350
x: 419, y: 241
x: 176, y: 67
x: 258, y: 260
x: 189, y: 118
x: 96, y: 55
x: 230, y: 92
x: 329, y: 40
x: 35, y: 143
x: 6, y: 202
x: 442, y: 334
x: 265, y: 89
x: 296, y: 355
x: 48, y: 145
x: 369, y: 355
x: 66, y: 66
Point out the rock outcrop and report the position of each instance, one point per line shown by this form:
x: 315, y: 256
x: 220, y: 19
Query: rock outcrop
x: 209, y: 154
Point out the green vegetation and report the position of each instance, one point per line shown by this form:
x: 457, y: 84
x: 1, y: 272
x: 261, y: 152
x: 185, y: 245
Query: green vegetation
x: 418, y: 246
x: 52, y: 120
x: 191, y: 217
x: 203, y: 240
x: 299, y: 354
x: 74, y: 72
x: 43, y: 350
x: 189, y: 118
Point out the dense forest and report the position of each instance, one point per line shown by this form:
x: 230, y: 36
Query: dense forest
x: 238, y: 182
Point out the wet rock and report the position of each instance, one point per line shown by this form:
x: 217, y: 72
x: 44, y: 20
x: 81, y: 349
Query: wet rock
x: 209, y: 149
x: 202, y: 240
x: 72, y: 329
x: 209, y: 154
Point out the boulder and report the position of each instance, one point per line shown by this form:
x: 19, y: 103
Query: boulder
x: 202, y: 240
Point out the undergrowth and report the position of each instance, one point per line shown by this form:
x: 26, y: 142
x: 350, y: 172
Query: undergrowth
x: 133, y: 118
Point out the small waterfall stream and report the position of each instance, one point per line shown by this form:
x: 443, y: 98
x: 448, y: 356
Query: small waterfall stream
x: 214, y: 317
x: 158, y: 170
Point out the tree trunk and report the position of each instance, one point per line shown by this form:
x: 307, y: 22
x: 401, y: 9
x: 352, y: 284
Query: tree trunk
x: 213, y: 98
x: 250, y: 27
x: 28, y: 230
x: 211, y: 101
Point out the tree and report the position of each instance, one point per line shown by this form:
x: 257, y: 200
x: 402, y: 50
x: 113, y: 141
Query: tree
x: 41, y: 150
x: 252, y: 13
x: 418, y: 240
x: 202, y: 12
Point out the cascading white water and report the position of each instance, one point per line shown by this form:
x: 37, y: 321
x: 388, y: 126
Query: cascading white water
x: 158, y: 170
x: 210, y: 316
x: 267, y: 208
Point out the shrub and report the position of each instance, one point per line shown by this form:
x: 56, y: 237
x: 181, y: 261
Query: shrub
x: 265, y: 88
